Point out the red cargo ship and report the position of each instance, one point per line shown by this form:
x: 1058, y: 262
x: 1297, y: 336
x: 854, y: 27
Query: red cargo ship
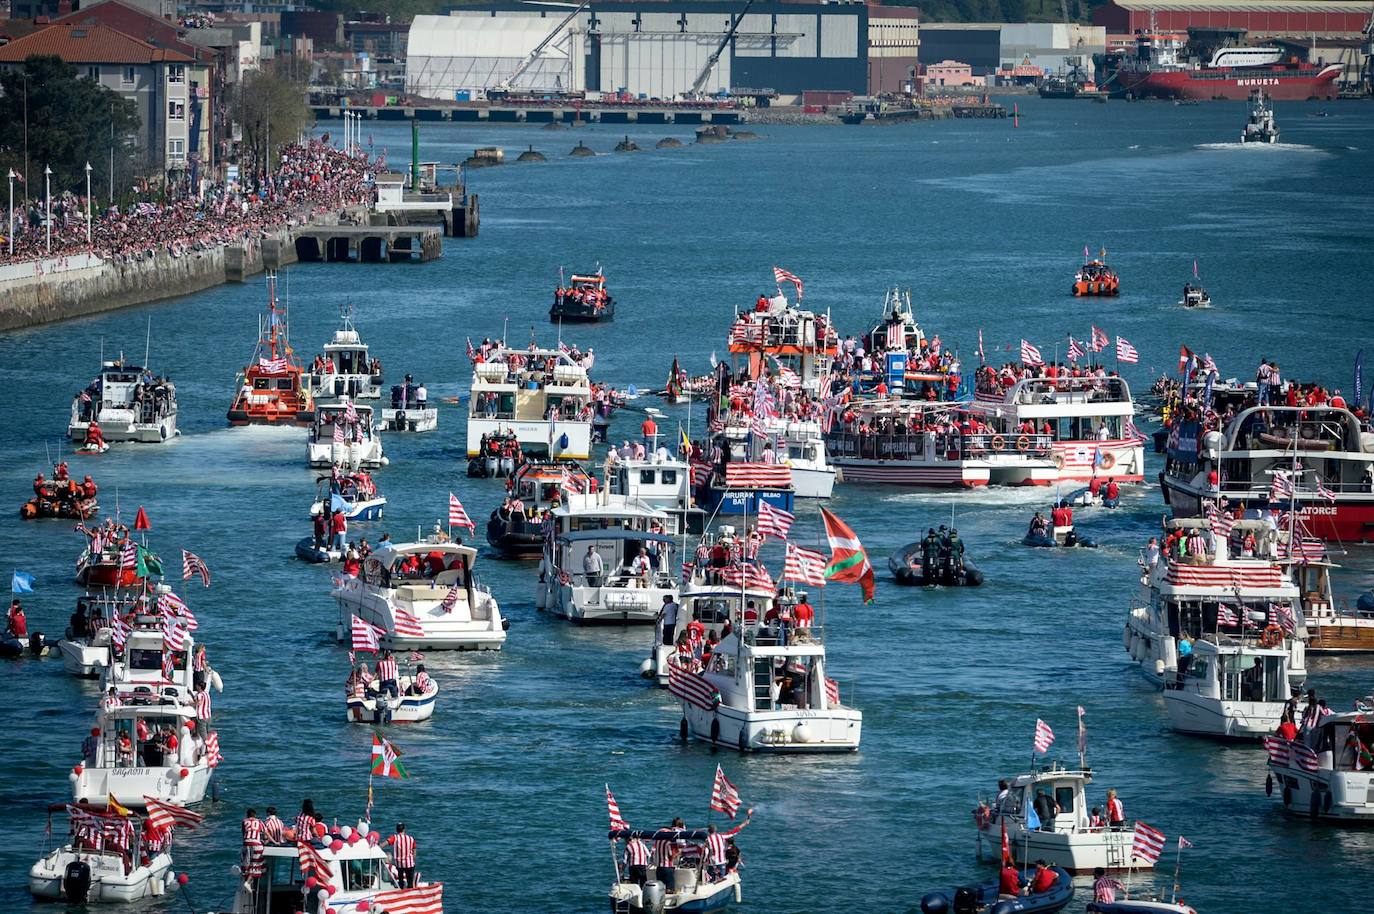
x: 1159, y: 70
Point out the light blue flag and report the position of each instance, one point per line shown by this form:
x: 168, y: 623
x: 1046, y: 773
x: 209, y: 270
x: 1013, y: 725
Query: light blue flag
x: 22, y: 582
x: 337, y: 503
x: 1032, y: 820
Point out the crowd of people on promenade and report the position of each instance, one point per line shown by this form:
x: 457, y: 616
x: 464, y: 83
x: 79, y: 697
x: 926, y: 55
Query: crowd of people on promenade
x: 310, y: 178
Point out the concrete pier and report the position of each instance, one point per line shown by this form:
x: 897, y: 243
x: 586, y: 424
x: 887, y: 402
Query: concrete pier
x: 367, y: 243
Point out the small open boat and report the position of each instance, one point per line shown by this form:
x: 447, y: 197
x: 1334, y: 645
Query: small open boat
x: 984, y: 898
x: 908, y: 567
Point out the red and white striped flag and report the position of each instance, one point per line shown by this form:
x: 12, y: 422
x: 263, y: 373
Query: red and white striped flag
x: 617, y: 822
x: 1044, y: 736
x: 275, y: 366
x: 451, y: 599
x: 212, y: 754
x: 173, y: 635
x: 408, y: 625
x: 173, y: 607
x: 364, y: 636
x: 1098, y: 339
x: 804, y: 566
x: 1304, y: 756
x: 119, y: 632
x: 457, y: 517
x: 192, y: 564
x: 165, y: 816
x: 1282, y: 486
x: 1076, y: 350
x: 340, y: 433
x: 781, y: 276
x: 1278, y: 749
x: 1225, y: 616
x: 312, y: 862
x: 1148, y: 844
x: 773, y: 521
x: 754, y: 577
x: 128, y: 556
x: 1030, y: 355
x: 1208, y: 365
x: 832, y: 692
x: 1183, y: 842
x: 1324, y: 492
x: 423, y: 899
x: 1125, y: 352
x: 788, y: 378
x: 689, y: 686
x: 724, y: 796
x: 896, y: 336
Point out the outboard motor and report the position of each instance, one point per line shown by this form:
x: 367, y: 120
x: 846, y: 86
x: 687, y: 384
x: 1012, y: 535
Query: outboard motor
x: 965, y: 900
x: 38, y: 645
x: 76, y: 881
x: 935, y: 903
x: 653, y: 897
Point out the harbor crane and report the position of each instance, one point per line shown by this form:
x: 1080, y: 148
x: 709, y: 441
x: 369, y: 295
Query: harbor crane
x: 505, y: 85
x: 705, y: 74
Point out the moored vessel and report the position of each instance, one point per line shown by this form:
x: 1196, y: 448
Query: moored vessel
x: 1161, y: 68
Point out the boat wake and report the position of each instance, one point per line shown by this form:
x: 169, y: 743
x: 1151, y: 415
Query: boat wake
x: 1274, y: 147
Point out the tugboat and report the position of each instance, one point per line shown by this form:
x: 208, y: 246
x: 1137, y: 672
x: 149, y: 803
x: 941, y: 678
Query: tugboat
x: 346, y: 370
x: 1260, y: 128
x: 583, y: 301
x: 273, y: 389
x: 1095, y: 278
x: 61, y: 496
x: 126, y: 403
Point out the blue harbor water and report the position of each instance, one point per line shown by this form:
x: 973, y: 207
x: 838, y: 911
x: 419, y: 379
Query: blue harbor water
x: 985, y: 224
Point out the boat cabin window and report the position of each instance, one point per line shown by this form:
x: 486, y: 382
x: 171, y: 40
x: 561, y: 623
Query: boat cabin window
x: 283, y: 384
x: 1245, y: 677
x: 668, y: 477
x: 1343, y: 749
x: 147, y: 659
x: 262, y: 383
x: 364, y: 875
x: 1064, y: 797
x: 283, y: 881
x: 712, y: 610
x: 1200, y: 668
x: 646, y: 477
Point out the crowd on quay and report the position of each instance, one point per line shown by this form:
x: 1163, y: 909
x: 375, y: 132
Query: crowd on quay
x: 311, y: 178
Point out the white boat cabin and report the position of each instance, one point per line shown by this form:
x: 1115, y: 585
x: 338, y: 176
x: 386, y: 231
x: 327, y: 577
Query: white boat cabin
x: 359, y: 872
x: 541, y: 396
x: 357, y: 445
x: 128, y: 402
x: 346, y: 369
x: 665, y: 485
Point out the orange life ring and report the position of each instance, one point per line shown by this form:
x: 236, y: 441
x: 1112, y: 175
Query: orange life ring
x: 1107, y: 461
x: 1272, y: 636
x: 998, y: 442
x: 1023, y: 443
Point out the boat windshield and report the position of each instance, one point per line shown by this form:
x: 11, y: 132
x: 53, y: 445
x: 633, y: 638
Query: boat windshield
x: 365, y: 875
x: 147, y: 659
x: 1245, y: 677
x: 1347, y: 754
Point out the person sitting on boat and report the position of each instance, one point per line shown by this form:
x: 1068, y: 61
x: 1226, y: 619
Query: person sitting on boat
x: 1095, y: 819
x: 17, y: 624
x: 421, y: 684
x: 352, y: 563
x: 803, y: 613
x: 1037, y: 525
x: 1043, y: 880
x: 124, y: 750
x: 88, y: 487
x: 94, y: 437
x: 1009, y: 884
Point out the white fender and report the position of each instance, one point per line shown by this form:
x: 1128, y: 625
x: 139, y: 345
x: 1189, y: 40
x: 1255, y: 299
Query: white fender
x: 215, y: 682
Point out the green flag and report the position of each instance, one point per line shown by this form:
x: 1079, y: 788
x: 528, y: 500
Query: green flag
x: 147, y: 564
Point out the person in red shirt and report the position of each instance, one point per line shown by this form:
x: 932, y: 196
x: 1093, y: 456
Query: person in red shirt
x: 1044, y: 880
x: 18, y: 623
x: 803, y: 613
x: 1009, y: 886
x: 649, y: 429
x: 1287, y: 729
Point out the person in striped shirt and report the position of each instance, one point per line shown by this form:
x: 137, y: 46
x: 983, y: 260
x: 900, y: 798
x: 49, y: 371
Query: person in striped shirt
x: 273, y: 829
x: 387, y: 674
x: 304, y: 827
x: 716, y: 844
x: 637, y: 860
x: 201, y: 699
x: 421, y: 683
x: 403, y: 856
x: 1105, y: 887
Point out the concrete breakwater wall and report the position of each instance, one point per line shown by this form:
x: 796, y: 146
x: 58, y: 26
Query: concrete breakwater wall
x: 58, y: 289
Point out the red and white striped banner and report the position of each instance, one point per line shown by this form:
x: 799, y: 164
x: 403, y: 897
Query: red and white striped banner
x: 1304, y: 757
x: 1044, y: 736
x: 407, y: 625
x: 212, y: 754
x: 164, y: 816
x: 754, y: 577
x: 745, y: 333
x: 832, y: 692
x: 689, y: 686
x: 1148, y: 844
x: 804, y: 566
x: 617, y: 822
x: 774, y: 522
x: 424, y: 899
x: 1125, y: 352
x: 312, y: 862
x: 757, y: 476
x: 457, y: 517
x: 1030, y: 355
x: 1278, y: 750
x: 1225, y: 576
x: 364, y: 636
x: 724, y: 796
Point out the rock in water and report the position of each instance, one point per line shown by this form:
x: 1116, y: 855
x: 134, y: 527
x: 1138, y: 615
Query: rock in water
x: 529, y: 155
x: 581, y: 149
x: 668, y: 142
x: 626, y: 145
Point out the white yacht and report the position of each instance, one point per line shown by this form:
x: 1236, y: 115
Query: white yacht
x: 355, y: 494
x: 541, y: 396
x: 1232, y: 689
x: 1068, y: 841
x: 765, y: 690
x: 704, y: 610
x: 345, y: 371
x: 1328, y: 776
x: 127, y: 403
x: 618, y: 531
x: 139, y: 673
x: 343, y: 435
x: 103, y: 862
x: 129, y: 769
x: 1226, y: 584
x: 423, y: 596
x: 357, y: 877
x: 85, y: 648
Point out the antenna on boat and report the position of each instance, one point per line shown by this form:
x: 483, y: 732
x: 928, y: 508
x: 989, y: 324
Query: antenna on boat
x: 148, y: 341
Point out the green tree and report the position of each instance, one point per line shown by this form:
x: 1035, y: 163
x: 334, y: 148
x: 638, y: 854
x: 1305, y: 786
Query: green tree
x: 270, y: 109
x: 50, y: 117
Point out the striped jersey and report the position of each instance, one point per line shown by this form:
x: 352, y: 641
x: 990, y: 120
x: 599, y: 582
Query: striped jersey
x: 422, y: 681
x: 386, y: 668
x: 402, y: 849
x: 252, y: 831
x: 664, y: 852
x: 203, y: 704
x: 1115, y: 811
x: 273, y: 829
x: 305, y: 827
x: 636, y: 852
x: 715, y: 848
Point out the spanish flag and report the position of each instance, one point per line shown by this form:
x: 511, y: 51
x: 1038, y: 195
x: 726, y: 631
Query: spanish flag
x: 115, y: 806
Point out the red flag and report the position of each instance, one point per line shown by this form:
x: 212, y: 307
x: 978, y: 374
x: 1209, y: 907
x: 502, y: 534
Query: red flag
x: 848, y: 560
x: 141, y: 520
x: 1006, y: 845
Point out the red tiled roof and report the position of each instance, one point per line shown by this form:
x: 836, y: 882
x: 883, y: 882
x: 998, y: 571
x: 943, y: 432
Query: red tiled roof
x: 134, y: 22
x: 88, y: 44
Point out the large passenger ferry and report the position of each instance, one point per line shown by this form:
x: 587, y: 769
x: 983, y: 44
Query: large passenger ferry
x: 1088, y: 421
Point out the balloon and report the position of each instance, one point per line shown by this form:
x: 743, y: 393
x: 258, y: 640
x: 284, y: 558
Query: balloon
x: 319, y: 830
x: 363, y: 828
x: 186, y: 772
x: 311, y: 882
x: 77, y: 770
x: 364, y: 906
x: 336, y: 845
x: 354, y: 838
x: 345, y: 832
x: 332, y: 889
x: 182, y: 879
x: 373, y: 838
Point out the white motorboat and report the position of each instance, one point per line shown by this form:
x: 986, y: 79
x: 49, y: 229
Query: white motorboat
x: 1195, y: 297
x: 355, y: 494
x: 104, y: 861
x: 541, y: 397
x: 1232, y: 689
x: 126, y: 403
x: 688, y: 885
x: 129, y: 769
x: 705, y: 609
x: 85, y: 648
x: 620, y: 532
x: 370, y: 705
x: 422, y: 596
x: 345, y: 371
x: 1328, y: 775
x: 662, y: 482
x: 343, y: 435
x: 797, y: 443
x: 410, y: 409
x: 1260, y: 127
x: 356, y: 877
x: 1090, y: 418
x: 1225, y: 585
x: 1069, y: 841
x: 765, y: 690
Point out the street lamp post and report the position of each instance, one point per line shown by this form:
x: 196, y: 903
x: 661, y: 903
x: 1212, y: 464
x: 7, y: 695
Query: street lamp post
x: 47, y: 204
x: 88, y: 202
x: 9, y: 230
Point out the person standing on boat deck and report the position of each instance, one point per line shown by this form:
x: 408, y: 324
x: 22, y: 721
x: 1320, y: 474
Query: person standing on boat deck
x: 1185, y: 656
x: 273, y: 829
x: 999, y: 802
x: 338, y: 526
x: 715, y: 854
x: 1046, y: 809
x: 1252, y: 685
x: 1152, y: 553
x: 637, y: 860
x: 803, y: 614
x: 90, y: 747
x: 403, y: 855
x: 1105, y: 887
x: 387, y: 674
x: 667, y: 619
x: 304, y: 826
x: 1116, y: 811
x: 593, y: 565
x: 640, y: 568
x: 201, y: 699
x: 649, y: 429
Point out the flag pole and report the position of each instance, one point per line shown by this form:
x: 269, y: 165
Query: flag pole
x: 1178, y: 864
